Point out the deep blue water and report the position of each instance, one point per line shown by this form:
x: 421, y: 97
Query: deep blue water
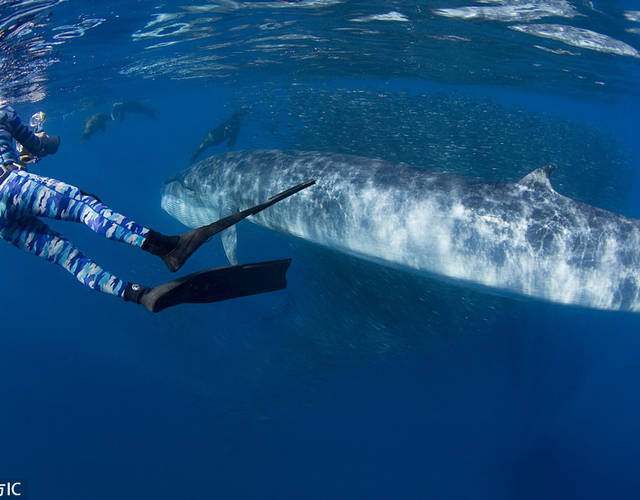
x: 359, y: 381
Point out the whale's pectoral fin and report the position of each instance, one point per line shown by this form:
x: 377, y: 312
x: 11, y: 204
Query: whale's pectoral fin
x: 230, y: 239
x: 230, y: 245
x: 539, y: 178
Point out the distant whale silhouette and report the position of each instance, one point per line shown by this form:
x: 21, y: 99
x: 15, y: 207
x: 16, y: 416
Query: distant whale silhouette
x: 520, y: 237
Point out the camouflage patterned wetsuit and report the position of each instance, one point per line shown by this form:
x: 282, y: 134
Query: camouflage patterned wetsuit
x: 24, y: 197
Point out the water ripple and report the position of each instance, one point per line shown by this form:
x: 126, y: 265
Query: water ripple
x: 183, y: 39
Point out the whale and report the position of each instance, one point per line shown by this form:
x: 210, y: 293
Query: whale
x: 516, y: 238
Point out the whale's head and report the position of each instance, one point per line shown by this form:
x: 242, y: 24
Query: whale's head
x: 220, y: 185
x: 195, y: 199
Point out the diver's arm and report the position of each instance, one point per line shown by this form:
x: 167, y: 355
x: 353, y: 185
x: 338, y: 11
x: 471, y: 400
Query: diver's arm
x: 7, y: 149
x: 39, y: 145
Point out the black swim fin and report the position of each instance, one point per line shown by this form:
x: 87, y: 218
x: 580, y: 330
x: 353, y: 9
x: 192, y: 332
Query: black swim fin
x: 214, y: 285
x: 192, y: 240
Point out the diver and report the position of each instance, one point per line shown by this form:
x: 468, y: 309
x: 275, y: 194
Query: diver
x: 95, y: 123
x: 227, y: 131
x: 26, y: 197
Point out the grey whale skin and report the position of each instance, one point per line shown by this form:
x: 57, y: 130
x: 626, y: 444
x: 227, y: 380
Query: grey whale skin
x: 520, y: 237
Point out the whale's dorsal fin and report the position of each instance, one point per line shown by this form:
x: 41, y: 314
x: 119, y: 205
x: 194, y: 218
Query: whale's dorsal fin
x: 539, y: 178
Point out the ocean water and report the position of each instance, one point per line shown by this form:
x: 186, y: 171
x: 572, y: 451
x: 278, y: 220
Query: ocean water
x: 359, y: 381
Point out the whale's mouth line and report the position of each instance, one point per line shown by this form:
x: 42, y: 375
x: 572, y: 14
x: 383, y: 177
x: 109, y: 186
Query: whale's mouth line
x: 180, y: 181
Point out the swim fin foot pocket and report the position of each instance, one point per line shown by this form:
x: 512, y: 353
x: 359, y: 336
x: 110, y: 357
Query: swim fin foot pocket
x: 190, y: 241
x: 213, y: 285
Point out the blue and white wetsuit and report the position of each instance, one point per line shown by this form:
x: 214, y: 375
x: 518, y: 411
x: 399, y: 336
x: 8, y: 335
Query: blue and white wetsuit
x: 24, y: 197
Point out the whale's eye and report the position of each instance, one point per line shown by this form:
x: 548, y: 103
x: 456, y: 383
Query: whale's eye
x: 182, y: 182
x: 187, y: 186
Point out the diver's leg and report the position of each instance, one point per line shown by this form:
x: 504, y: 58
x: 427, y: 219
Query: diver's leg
x: 44, y: 197
x: 213, y: 285
x: 33, y: 236
x: 31, y: 195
